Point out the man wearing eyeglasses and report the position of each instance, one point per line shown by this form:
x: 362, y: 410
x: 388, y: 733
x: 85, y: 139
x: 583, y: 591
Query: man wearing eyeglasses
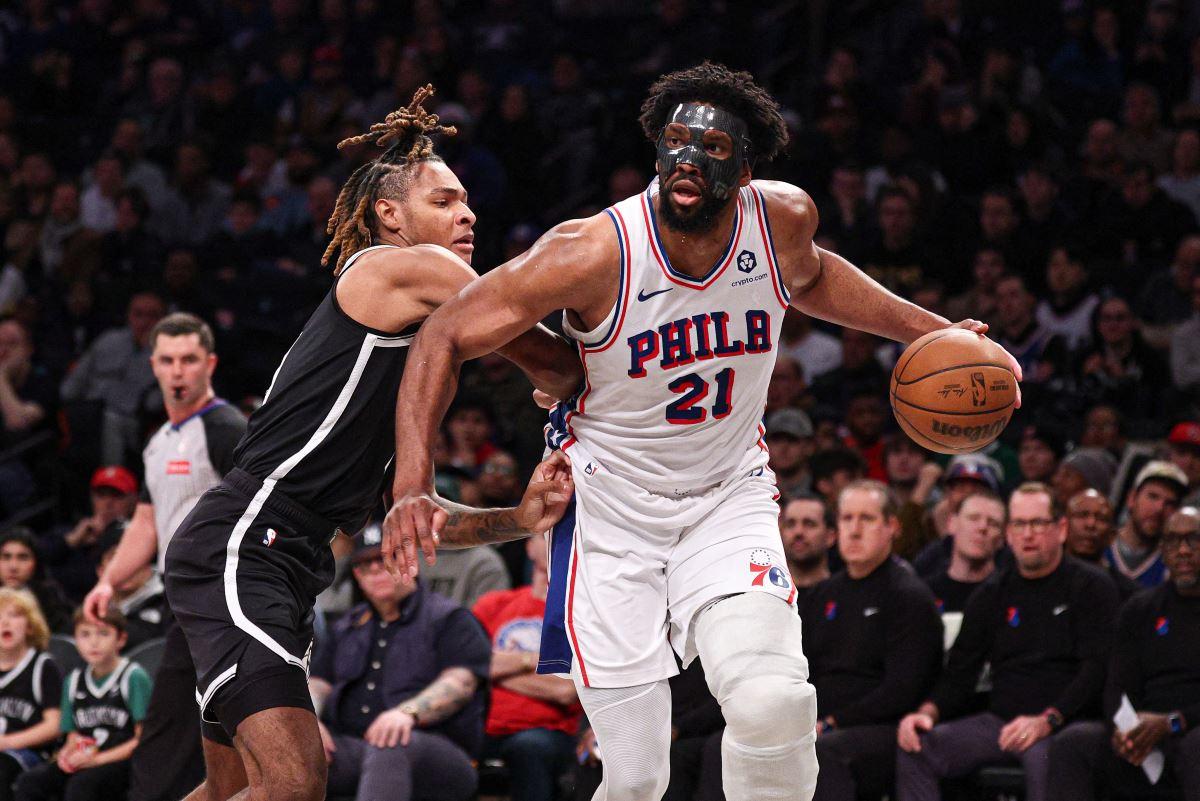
x: 1156, y: 664
x: 1045, y: 626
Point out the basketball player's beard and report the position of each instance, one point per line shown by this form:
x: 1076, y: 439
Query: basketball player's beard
x: 699, y: 219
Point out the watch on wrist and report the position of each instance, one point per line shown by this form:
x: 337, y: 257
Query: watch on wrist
x: 410, y: 708
x: 1053, y: 718
x: 1175, y: 722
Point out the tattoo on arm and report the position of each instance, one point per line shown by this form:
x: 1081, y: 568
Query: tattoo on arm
x: 445, y: 695
x: 468, y: 526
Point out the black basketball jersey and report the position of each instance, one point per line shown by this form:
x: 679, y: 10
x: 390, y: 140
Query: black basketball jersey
x: 32, y: 685
x: 101, y: 709
x: 325, y: 433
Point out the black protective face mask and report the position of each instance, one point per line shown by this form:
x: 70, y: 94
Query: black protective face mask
x: 720, y: 175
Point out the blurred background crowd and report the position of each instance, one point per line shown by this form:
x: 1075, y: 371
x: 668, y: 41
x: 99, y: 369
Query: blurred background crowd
x: 1035, y: 165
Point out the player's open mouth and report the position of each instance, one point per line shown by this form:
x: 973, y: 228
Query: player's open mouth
x: 685, y: 193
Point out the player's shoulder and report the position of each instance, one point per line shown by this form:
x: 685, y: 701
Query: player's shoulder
x: 584, y: 250
x: 786, y: 200
x: 593, y: 238
x: 224, y: 415
x: 417, y: 264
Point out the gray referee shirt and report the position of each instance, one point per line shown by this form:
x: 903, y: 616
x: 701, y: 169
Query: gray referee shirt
x: 184, y: 460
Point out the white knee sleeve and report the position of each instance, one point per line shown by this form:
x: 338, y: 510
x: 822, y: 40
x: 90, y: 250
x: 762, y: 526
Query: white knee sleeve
x: 633, y: 734
x: 751, y: 649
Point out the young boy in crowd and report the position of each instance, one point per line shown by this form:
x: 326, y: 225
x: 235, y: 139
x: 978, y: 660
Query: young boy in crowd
x: 30, y: 688
x: 103, y: 705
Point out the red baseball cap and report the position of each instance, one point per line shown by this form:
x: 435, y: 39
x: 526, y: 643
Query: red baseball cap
x: 1185, y: 434
x: 115, y: 477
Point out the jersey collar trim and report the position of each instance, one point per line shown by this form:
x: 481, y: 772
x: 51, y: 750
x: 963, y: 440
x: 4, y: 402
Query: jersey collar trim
x: 18, y: 668
x: 109, y: 680
x: 203, y: 410
x: 660, y: 253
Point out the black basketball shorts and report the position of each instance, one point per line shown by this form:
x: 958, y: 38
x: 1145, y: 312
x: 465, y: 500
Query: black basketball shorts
x: 242, y: 575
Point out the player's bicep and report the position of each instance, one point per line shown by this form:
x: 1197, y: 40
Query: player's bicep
x: 565, y: 269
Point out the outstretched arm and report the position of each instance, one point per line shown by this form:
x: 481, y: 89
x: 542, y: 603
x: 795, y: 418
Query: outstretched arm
x: 825, y: 285
x: 569, y: 267
x: 543, y: 504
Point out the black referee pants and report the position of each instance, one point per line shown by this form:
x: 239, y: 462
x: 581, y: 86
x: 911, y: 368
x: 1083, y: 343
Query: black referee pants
x: 169, y: 760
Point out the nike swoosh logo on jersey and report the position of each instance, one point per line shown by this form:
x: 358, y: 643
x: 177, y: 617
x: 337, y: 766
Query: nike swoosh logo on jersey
x: 643, y: 295
x: 870, y: 610
x: 1058, y: 610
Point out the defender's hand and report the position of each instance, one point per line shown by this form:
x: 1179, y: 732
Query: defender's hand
x: 412, y: 520
x: 546, y: 498
x: 981, y: 328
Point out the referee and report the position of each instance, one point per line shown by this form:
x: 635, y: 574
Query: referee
x: 184, y: 458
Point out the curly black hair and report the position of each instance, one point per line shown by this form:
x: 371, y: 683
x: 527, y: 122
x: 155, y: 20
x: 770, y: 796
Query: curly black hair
x: 735, y: 92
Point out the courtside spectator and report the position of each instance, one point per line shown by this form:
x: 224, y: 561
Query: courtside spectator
x: 1090, y: 533
x: 103, y: 705
x: 807, y: 531
x: 73, y: 552
x: 32, y: 688
x: 400, y: 684
x: 1045, y: 628
x: 115, y: 376
x: 874, y: 647
x: 21, y: 569
x: 790, y: 445
x: 533, y: 719
x: 1156, y: 493
x: 1156, y: 665
x: 976, y: 536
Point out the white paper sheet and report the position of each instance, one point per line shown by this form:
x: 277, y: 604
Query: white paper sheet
x: 1125, y: 719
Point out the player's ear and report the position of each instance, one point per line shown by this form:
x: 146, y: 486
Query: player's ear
x: 387, y: 211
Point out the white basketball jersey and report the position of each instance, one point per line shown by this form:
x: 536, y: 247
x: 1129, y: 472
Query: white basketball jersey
x: 677, y: 374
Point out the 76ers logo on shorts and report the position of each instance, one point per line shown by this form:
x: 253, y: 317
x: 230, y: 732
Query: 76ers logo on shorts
x: 763, y: 568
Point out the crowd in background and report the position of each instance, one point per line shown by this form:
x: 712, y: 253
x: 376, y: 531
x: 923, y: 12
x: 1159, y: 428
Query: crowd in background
x: 1035, y: 166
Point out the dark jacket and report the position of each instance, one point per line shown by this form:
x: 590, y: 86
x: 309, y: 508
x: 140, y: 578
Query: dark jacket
x: 434, y: 634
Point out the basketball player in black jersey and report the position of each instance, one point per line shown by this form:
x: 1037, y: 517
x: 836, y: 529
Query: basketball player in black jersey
x: 244, y: 568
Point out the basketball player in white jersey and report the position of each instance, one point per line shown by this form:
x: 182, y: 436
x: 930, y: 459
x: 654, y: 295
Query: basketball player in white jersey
x: 675, y: 298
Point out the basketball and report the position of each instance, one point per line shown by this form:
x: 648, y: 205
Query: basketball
x: 953, y: 391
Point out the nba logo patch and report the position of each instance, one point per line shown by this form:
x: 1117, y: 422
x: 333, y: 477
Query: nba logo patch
x: 1162, y: 626
x: 591, y: 468
x: 940, y: 604
x: 830, y: 610
x: 747, y: 261
x: 1013, y: 616
x: 760, y: 564
x: 269, y: 538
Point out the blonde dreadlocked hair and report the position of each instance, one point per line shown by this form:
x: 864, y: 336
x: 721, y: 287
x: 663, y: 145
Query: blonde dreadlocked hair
x: 405, y: 133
